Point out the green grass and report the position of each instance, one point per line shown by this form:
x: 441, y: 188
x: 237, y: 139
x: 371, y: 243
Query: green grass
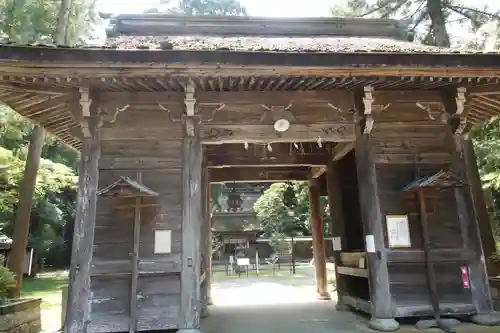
x: 47, y: 286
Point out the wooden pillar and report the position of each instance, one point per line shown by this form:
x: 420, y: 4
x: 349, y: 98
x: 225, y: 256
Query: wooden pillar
x: 209, y: 240
x: 79, y: 294
x: 191, y: 230
x: 373, y: 226
x: 481, y: 213
x: 205, y: 242
x: 468, y: 217
x: 318, y: 240
x: 337, y: 226
x: 468, y: 200
x: 135, y: 261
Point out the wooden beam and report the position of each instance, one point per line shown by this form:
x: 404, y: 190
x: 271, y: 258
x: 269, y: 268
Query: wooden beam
x: 226, y: 26
x: 218, y: 161
x: 238, y: 133
x: 205, y: 242
x: 246, y: 98
x: 352, y: 271
x: 341, y: 149
x: 317, y: 172
x: 191, y: 229
x: 208, y: 221
x: 253, y: 174
x: 135, y: 261
x: 333, y: 179
x: 373, y: 227
x: 79, y: 294
x: 318, y: 240
x: 282, y: 154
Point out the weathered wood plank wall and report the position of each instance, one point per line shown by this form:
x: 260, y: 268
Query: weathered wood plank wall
x: 410, y: 143
x: 143, y: 140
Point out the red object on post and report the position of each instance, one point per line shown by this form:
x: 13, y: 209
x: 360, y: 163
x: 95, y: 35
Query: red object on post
x: 465, y: 277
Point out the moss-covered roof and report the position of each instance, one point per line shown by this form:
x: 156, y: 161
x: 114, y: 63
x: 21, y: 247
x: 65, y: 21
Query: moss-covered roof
x: 274, y: 44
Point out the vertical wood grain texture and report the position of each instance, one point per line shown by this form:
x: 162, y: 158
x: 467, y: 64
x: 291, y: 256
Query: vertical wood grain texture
x: 338, y: 222
x: 191, y: 228
x: 79, y: 293
x: 373, y: 224
x: 205, y: 253
x: 481, y: 296
x: 318, y: 238
x: 135, y: 261
x: 480, y: 208
x: 159, y: 161
x: 208, y: 244
x: 429, y: 263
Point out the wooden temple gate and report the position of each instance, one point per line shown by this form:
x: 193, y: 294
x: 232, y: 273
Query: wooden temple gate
x: 377, y: 124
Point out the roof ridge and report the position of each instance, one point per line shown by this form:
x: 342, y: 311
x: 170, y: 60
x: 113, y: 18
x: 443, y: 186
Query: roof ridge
x: 163, y: 24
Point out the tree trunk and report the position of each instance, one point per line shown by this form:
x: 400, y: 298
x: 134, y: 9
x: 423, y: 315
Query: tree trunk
x: 62, y: 22
x: 23, y: 214
x: 27, y: 187
x: 438, y: 23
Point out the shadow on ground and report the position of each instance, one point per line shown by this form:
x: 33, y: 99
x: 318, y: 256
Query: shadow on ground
x: 250, y: 305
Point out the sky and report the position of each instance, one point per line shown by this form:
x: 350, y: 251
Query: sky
x: 304, y: 8
x: 270, y: 8
x: 274, y: 8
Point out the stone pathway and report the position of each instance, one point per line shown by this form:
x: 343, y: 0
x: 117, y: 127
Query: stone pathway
x: 267, y: 305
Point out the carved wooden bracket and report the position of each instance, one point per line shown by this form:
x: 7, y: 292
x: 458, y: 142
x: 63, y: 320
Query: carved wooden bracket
x: 428, y: 107
x: 338, y: 109
x: 276, y: 112
x: 190, y: 103
x: 368, y: 102
x: 460, y: 100
x: 85, y: 103
x: 173, y: 118
x: 212, y: 112
x: 110, y: 117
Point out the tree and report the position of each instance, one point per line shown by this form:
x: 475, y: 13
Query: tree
x: 203, y: 7
x: 429, y: 19
x: 27, y: 21
x: 283, y: 210
x: 22, y: 222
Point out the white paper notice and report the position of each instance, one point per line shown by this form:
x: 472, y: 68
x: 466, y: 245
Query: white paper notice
x: 163, y: 241
x: 370, y: 243
x: 398, y: 231
x: 337, y: 244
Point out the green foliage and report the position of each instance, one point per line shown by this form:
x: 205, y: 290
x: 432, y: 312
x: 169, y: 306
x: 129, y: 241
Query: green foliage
x: 487, y: 147
x: 55, y: 191
x: 278, y: 219
x: 28, y: 21
x: 53, y: 201
x: 429, y: 19
x: 7, y: 282
x: 215, y: 190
